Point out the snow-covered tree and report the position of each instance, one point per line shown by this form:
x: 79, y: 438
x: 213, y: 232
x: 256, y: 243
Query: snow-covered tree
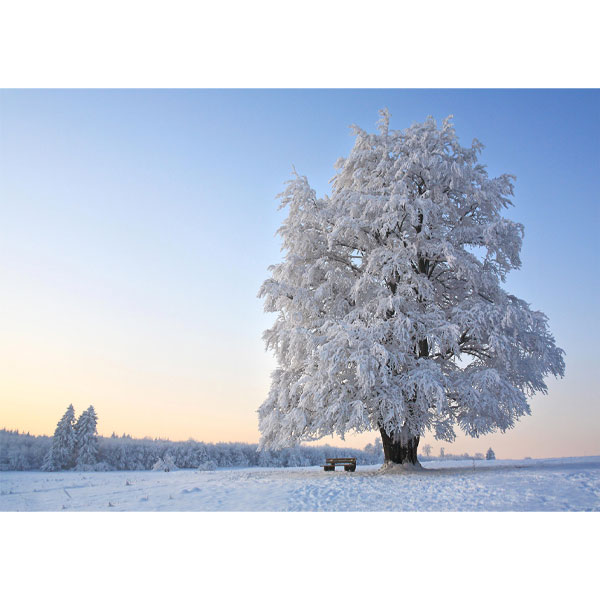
x: 86, y: 436
x: 427, y: 449
x: 165, y: 464
x: 391, y: 314
x: 378, y: 446
x: 62, y: 452
x: 490, y: 455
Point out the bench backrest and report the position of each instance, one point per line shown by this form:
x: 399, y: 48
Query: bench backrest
x: 339, y: 460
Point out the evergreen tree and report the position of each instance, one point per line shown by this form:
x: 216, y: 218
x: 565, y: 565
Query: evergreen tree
x: 4, y: 462
x: 490, y: 455
x: 391, y: 311
x: 62, y: 452
x: 87, y: 438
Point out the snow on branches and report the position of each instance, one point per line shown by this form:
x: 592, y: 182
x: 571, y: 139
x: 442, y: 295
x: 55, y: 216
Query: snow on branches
x: 390, y: 310
x: 62, y: 453
x: 86, y: 435
x: 75, y: 443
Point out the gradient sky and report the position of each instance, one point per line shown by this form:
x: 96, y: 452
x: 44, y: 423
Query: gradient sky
x: 137, y: 227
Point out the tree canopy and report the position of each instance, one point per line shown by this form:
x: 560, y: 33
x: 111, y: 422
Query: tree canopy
x: 391, y: 313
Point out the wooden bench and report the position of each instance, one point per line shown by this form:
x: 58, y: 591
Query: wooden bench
x: 330, y: 463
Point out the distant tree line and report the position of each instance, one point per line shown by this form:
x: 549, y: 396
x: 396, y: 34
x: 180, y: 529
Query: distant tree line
x: 25, y: 452
x: 77, y: 445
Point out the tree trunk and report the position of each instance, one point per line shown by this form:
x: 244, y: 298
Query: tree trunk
x: 399, y: 452
x: 403, y: 451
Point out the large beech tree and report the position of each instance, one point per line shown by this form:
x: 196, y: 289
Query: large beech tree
x: 391, y: 314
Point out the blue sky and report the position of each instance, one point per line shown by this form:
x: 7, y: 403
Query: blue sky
x: 139, y: 224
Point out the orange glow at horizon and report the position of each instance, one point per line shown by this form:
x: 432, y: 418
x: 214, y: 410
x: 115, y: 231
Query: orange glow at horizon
x: 210, y: 411
x: 182, y: 389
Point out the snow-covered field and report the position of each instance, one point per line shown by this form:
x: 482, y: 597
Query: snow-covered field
x: 503, y: 485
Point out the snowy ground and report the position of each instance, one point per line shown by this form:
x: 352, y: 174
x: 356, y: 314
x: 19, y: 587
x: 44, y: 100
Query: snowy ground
x: 502, y: 485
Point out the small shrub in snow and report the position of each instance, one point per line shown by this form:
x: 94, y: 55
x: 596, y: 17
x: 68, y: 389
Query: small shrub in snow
x: 165, y: 464
x: 99, y: 466
x: 159, y: 465
x: 209, y: 465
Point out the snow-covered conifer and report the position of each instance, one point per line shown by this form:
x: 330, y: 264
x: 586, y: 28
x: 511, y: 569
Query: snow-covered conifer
x: 490, y: 455
x: 62, y: 452
x: 391, y: 314
x: 86, y: 436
